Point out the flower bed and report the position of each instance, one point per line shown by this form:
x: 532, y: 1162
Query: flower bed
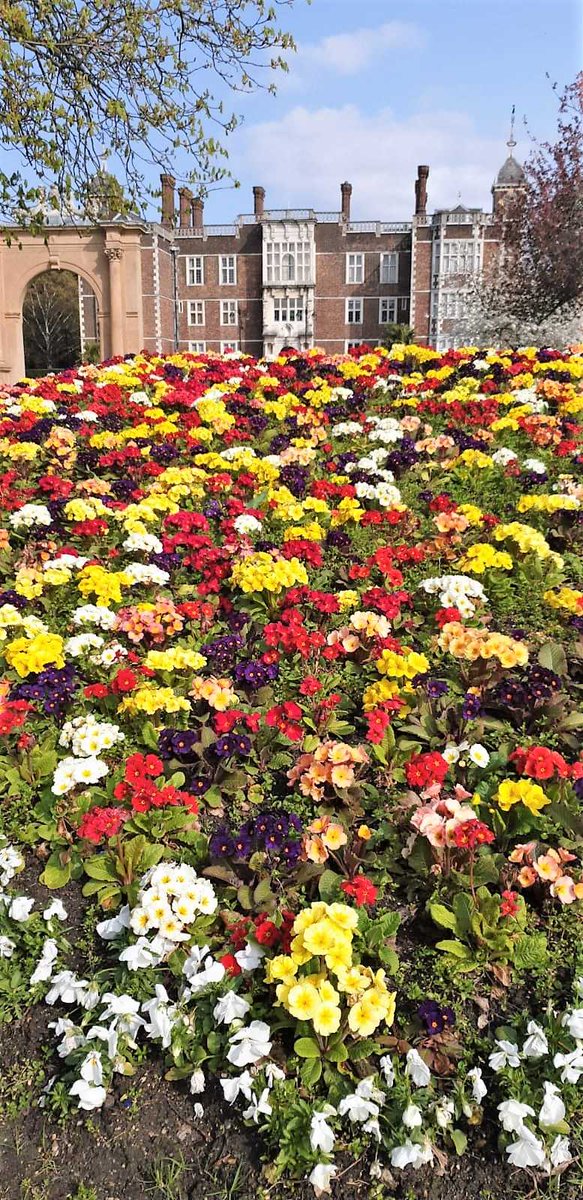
x: 291, y: 690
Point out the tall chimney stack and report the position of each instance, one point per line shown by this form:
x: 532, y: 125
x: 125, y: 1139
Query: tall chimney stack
x: 258, y: 201
x: 198, y: 214
x: 185, y: 203
x: 346, y: 192
x: 421, y: 191
x: 168, y: 184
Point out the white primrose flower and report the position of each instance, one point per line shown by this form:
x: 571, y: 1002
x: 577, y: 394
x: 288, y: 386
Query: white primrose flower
x: 29, y: 515
x: 94, y: 614
x: 250, y: 1044
x: 247, y: 523
x: 66, y: 988
x: 162, y: 1016
x: 113, y: 926
x: 45, y: 965
x: 21, y: 908
x: 560, y: 1151
x: 386, y: 1065
x: 321, y: 1135
x: 417, y: 1070
x: 107, y: 1034
x: 506, y: 1056
x: 146, y: 573
x: 411, y: 1154
x: 229, y: 1008
x: 536, y: 1044
x: 553, y: 1110
x: 249, y: 959
x: 89, y: 1095
x: 142, y: 954
x: 479, y: 1089
x: 259, y: 1107
x: 242, y: 1083
x: 55, y: 909
x: 412, y: 1117
x: 197, y: 1082
x: 72, y: 1036
x: 573, y: 1021
x: 321, y: 1177
x: 503, y: 456
x: 527, y: 1151
x: 572, y: 1065
x: 479, y: 755
x: 148, y: 542
x: 511, y: 1114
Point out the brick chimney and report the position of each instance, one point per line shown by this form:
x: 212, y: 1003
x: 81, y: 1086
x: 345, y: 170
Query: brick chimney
x: 346, y: 192
x: 421, y: 191
x: 168, y: 184
x: 185, y: 201
x: 258, y: 201
x: 198, y: 214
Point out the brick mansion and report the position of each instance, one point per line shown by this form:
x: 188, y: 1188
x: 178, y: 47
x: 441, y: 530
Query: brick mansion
x: 298, y: 277
x: 272, y: 278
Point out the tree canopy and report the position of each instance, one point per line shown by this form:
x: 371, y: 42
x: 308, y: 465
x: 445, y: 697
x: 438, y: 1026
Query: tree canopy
x: 143, y: 80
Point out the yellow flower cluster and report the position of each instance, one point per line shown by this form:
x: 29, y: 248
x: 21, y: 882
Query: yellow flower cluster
x: 151, y: 699
x: 105, y: 585
x: 566, y: 597
x: 324, y: 932
x: 29, y: 655
x: 528, y: 540
x: 377, y: 693
x: 548, y: 504
x: 85, y: 510
x: 472, y: 458
x: 472, y: 644
x: 524, y: 791
x: 482, y: 557
x: 400, y: 666
x: 260, y: 572
x: 178, y: 658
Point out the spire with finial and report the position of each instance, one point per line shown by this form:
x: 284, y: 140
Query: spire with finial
x: 511, y: 140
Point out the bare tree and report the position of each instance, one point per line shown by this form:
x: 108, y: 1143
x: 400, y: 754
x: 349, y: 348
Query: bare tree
x: 50, y: 319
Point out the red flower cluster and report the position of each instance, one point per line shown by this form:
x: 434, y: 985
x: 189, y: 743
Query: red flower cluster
x: 102, y: 823
x: 361, y: 889
x: 143, y: 794
x: 539, y: 762
x: 13, y: 715
x: 286, y: 718
x: 424, y: 769
x: 509, y: 904
x: 470, y: 834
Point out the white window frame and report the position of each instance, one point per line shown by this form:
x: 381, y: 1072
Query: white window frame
x: 196, y: 312
x: 288, y: 309
x: 229, y: 312
x: 354, y: 304
x: 349, y: 343
x: 229, y: 346
x: 197, y: 347
x: 453, y: 305
x: 288, y: 262
x: 355, y: 267
x: 389, y: 267
x: 459, y: 256
x: 388, y: 302
x: 194, y: 267
x: 227, y: 268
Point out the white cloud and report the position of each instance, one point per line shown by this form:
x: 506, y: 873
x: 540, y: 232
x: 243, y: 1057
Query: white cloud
x: 302, y: 158
x: 350, y: 53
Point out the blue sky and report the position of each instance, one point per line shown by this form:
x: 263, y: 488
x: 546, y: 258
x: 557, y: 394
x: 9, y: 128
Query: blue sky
x: 377, y: 87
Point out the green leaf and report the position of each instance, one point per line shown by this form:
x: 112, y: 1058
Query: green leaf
x: 56, y: 874
x: 363, y: 1049
x: 443, y: 916
x: 553, y: 657
x: 306, y: 1047
x: 456, y: 948
x: 337, y: 1054
x: 328, y: 885
x: 530, y: 952
x: 459, y: 1140
x: 100, y: 867
x: 310, y: 1071
x: 263, y: 893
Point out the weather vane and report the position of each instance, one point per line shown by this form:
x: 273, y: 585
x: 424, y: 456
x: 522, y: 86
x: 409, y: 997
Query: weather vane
x: 511, y: 140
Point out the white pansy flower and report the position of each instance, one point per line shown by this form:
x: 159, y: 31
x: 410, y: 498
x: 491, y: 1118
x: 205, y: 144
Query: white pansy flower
x: 506, y: 1056
x: 89, y: 1096
x: 46, y: 963
x: 527, y: 1151
x: 572, y: 1065
x: 573, y: 1021
x: 321, y: 1177
x: 21, y: 908
x: 243, y: 1084
x: 412, y: 1117
x: 479, y: 1089
x: 536, y: 1044
x: 553, y: 1110
x: 229, y: 1008
x: 411, y: 1154
x: 250, y: 1044
x: 55, y: 909
x: 417, y: 1070
x: 321, y: 1134
x: 7, y: 947
x: 560, y: 1151
x: 197, y: 1082
x: 479, y: 755
x: 511, y: 1114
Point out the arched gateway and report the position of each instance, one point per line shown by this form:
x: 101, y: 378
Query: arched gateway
x: 107, y: 258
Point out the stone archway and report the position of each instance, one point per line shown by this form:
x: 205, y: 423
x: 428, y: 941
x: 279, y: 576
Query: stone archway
x: 108, y: 258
